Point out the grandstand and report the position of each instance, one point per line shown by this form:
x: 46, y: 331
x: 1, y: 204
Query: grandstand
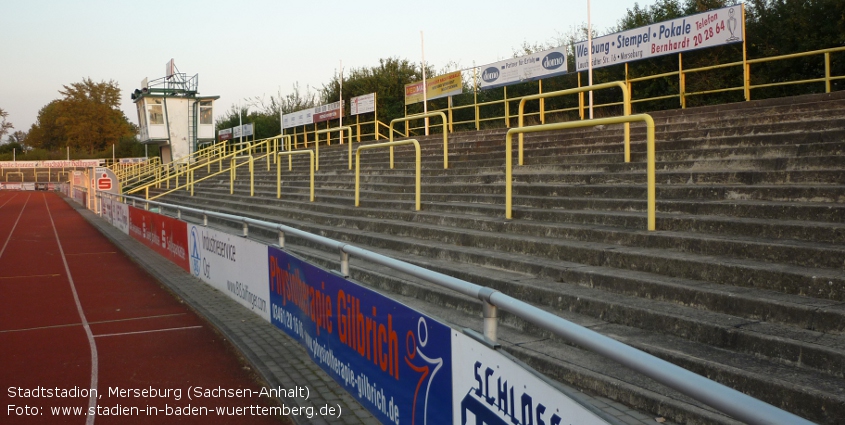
x: 742, y: 280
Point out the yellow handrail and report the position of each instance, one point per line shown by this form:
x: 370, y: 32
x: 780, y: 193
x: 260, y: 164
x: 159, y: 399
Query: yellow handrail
x: 380, y: 145
x: 418, y: 116
x: 329, y: 130
x: 279, y: 171
x: 188, y: 171
x: 650, y: 168
x: 626, y: 109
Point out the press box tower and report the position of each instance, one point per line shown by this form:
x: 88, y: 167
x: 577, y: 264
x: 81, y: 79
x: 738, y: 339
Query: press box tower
x: 172, y: 114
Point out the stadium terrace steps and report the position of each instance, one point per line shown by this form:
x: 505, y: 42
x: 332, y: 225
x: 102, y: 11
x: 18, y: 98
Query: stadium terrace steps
x: 743, y: 281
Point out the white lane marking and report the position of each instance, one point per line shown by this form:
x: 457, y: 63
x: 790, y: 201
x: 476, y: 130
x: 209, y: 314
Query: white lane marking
x: 93, y: 323
x: 147, y: 332
x: 14, y: 226
x: 92, y: 401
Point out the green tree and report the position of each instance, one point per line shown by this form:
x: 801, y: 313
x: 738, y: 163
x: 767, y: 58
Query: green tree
x: 5, y: 126
x: 87, y: 117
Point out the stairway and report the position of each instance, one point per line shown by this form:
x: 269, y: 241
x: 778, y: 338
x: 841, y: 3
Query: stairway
x: 743, y: 282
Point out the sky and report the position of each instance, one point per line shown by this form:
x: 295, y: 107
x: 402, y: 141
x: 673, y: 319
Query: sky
x: 258, y: 48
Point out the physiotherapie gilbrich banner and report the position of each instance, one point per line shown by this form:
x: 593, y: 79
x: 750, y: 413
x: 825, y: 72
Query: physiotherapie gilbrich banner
x: 394, y: 360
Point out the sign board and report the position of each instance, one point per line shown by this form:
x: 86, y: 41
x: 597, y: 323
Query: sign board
x: 225, y: 134
x: 106, y: 180
x: 170, y: 69
x: 246, y: 129
x: 538, y: 65
x: 165, y: 235
x: 76, y: 163
x: 445, y: 85
x: 362, y: 104
x: 394, y: 360
x: 331, y: 111
x: 298, y: 118
x: 490, y: 388
x: 136, y: 160
x: 234, y: 265
x: 709, y: 29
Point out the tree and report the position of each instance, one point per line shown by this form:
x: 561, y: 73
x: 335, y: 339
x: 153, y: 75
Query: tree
x: 87, y: 117
x: 388, y: 79
x: 4, y: 125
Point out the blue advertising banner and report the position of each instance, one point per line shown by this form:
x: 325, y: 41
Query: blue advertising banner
x: 395, y: 360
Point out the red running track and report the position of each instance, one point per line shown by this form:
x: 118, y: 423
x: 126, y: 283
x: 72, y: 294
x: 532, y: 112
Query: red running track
x: 77, y: 314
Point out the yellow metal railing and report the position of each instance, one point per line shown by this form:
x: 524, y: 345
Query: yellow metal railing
x: 330, y: 130
x: 650, y: 155
x: 381, y: 145
x: 188, y: 171
x: 17, y: 173
x: 626, y: 109
x: 420, y: 116
x: 279, y: 170
x: 49, y: 177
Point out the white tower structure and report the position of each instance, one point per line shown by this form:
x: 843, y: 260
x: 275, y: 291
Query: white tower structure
x: 172, y: 114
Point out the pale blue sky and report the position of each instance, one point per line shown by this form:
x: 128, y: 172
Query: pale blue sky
x: 248, y: 48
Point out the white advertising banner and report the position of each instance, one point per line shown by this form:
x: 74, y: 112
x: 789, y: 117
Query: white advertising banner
x: 363, y: 104
x: 119, y: 215
x: 234, y: 265
x: 246, y: 130
x: 526, y: 68
x: 298, y: 118
x: 490, y: 388
x: 81, y: 163
x: 709, y: 29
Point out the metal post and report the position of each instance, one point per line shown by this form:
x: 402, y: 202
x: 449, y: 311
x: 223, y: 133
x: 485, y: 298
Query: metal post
x: 827, y: 72
x: 344, y: 263
x: 205, y: 219
x: 682, y: 81
x: 490, y: 321
x: 281, y: 239
x: 246, y: 229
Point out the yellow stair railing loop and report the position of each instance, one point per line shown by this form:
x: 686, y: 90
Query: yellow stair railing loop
x: 650, y: 155
x: 381, y: 145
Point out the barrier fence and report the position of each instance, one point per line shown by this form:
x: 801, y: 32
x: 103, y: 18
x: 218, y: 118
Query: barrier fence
x: 307, y: 322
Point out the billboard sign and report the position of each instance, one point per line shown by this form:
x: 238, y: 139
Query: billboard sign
x: 445, y: 85
x: 331, y: 111
x: 225, y: 134
x: 165, y: 235
x: 526, y: 68
x: 234, y: 265
x: 298, y: 118
x: 491, y: 388
x: 709, y: 29
x: 394, y: 360
x: 362, y: 104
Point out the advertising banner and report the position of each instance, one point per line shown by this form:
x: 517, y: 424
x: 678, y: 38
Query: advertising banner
x: 165, y: 235
x: 445, y: 85
x: 234, y: 265
x: 394, y: 360
x: 116, y: 213
x: 298, y: 118
x: 526, y: 68
x: 332, y: 111
x: 490, y: 388
x: 709, y: 29
x: 362, y: 104
x: 225, y: 134
x: 81, y: 163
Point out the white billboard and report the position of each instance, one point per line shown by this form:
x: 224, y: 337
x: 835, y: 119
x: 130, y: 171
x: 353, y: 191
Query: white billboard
x: 538, y: 65
x: 363, y: 104
x: 709, y: 29
x: 490, y: 388
x: 298, y: 118
x: 234, y: 265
